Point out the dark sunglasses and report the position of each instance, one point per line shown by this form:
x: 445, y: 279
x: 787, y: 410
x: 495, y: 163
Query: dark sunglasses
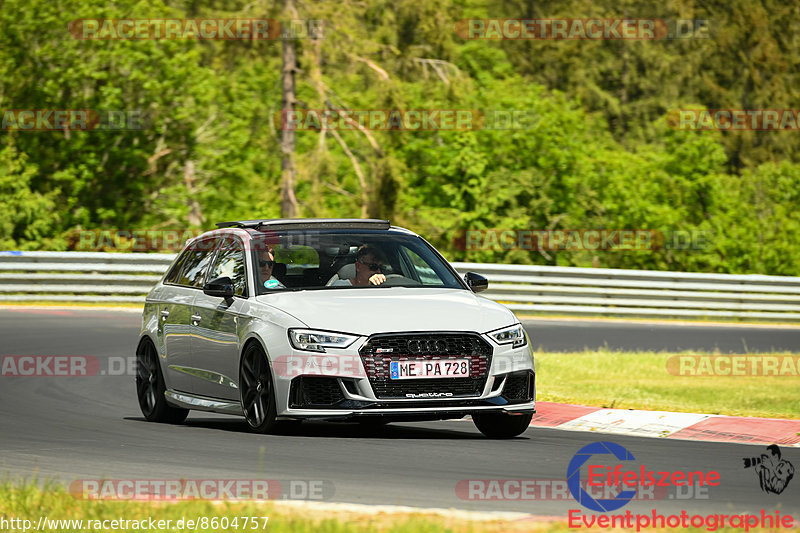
x: 374, y: 266
x: 263, y: 263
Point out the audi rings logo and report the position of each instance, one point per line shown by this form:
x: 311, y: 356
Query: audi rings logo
x: 427, y: 346
x: 574, y: 477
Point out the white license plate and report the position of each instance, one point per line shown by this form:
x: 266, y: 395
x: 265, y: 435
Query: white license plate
x: 442, y: 368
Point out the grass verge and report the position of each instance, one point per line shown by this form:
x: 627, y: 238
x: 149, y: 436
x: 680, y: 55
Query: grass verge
x: 641, y: 380
x: 27, y: 501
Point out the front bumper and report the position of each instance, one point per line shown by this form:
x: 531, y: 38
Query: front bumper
x: 353, y: 383
x: 410, y: 414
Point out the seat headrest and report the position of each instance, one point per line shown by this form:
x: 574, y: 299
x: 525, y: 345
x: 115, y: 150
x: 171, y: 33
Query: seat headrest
x: 347, y: 271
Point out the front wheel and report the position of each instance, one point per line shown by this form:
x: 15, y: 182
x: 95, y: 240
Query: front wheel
x: 150, y: 388
x: 257, y: 393
x: 501, y: 425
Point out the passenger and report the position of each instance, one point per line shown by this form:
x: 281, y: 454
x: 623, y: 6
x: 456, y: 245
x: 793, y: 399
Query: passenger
x: 266, y: 261
x: 370, y: 261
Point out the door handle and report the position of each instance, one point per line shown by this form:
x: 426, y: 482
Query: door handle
x: 196, y: 318
x: 164, y: 314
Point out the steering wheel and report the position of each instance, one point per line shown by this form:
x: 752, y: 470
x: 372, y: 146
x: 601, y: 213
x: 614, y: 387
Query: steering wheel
x: 398, y: 279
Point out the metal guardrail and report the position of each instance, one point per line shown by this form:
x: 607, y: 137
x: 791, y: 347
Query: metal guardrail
x: 602, y: 291
x: 108, y: 277
x: 79, y: 276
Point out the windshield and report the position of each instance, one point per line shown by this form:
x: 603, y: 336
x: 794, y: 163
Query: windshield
x: 338, y: 259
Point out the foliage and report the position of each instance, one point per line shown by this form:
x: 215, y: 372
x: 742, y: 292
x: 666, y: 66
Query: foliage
x: 596, y: 151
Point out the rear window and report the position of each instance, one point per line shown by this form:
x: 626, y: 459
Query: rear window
x: 193, y: 273
x: 174, y: 274
x: 230, y: 263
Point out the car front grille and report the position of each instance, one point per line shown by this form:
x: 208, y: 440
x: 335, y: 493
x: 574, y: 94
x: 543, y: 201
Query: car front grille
x: 380, y: 350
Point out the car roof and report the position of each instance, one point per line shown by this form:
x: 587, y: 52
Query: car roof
x: 308, y: 223
x: 251, y: 228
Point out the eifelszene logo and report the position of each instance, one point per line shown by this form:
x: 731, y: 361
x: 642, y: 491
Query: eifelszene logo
x: 773, y: 472
x: 574, y: 476
x: 613, y: 477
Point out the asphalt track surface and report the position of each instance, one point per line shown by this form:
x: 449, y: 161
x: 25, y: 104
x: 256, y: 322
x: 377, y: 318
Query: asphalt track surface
x: 70, y: 428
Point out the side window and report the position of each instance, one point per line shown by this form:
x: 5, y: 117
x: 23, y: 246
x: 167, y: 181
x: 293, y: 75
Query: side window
x: 175, y: 272
x: 230, y: 263
x: 196, y: 264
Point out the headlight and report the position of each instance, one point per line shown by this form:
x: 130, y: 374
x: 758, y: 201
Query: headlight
x: 316, y: 341
x: 514, y: 335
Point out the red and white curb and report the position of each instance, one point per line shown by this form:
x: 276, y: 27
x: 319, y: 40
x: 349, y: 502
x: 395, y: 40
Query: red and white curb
x: 687, y: 426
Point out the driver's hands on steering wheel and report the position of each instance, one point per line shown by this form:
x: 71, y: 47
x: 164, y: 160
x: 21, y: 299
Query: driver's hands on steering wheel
x: 377, y: 279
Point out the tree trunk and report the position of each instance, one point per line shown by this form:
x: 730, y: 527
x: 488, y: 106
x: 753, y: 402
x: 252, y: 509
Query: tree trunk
x: 195, y: 217
x: 288, y: 199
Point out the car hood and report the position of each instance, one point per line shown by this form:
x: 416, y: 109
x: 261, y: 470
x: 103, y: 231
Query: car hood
x: 378, y: 310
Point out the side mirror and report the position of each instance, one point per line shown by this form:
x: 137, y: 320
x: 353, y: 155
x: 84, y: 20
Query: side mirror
x: 222, y: 287
x: 476, y: 282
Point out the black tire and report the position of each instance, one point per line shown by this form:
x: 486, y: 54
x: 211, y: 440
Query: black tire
x: 501, y: 425
x: 257, y: 391
x: 150, y: 388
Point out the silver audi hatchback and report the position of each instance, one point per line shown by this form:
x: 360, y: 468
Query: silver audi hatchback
x: 329, y: 319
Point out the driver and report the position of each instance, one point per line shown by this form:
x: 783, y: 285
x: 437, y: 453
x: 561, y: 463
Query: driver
x: 370, y: 261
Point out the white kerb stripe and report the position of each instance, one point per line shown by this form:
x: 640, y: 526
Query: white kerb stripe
x: 638, y: 423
